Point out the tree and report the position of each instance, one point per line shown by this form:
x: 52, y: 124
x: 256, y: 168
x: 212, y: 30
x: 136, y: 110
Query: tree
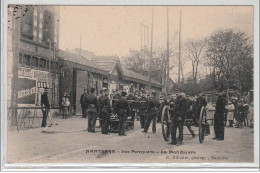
x: 230, y: 54
x: 194, y: 52
x: 138, y: 61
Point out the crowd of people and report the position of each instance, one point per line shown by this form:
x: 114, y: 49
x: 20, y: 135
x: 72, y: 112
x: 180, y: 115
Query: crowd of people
x: 148, y: 107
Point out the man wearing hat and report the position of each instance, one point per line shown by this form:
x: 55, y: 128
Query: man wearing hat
x: 122, y: 109
x: 141, y: 108
x: 45, y: 104
x: 92, y: 110
x: 219, y: 118
x: 131, y: 101
x: 152, y: 112
x: 83, y: 103
x: 116, y: 97
x: 105, y: 111
x: 177, y: 119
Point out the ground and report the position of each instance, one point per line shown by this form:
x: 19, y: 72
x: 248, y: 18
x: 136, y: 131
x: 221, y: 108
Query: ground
x: 69, y: 142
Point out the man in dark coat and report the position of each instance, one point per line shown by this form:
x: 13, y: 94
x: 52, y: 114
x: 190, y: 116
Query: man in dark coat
x: 177, y: 119
x: 152, y: 112
x: 122, y: 109
x: 45, y: 104
x: 131, y: 101
x: 105, y: 112
x: 116, y: 97
x: 142, y: 106
x: 220, y: 118
x: 83, y: 103
x: 100, y: 106
x: 92, y: 110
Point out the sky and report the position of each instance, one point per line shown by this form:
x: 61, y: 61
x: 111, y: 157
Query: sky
x: 107, y: 30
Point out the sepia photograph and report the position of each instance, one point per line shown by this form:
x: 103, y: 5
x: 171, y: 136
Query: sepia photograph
x: 130, y: 84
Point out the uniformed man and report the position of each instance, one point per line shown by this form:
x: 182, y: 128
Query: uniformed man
x: 177, y: 119
x: 152, y: 112
x: 141, y: 108
x: 45, y: 104
x: 131, y: 101
x: 219, y: 118
x: 105, y: 112
x: 83, y: 103
x: 116, y: 97
x: 122, y: 109
x: 189, y: 115
x: 92, y: 110
x: 100, y: 106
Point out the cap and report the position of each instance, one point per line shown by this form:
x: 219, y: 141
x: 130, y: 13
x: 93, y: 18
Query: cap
x: 123, y: 93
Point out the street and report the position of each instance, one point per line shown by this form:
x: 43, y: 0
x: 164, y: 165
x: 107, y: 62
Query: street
x: 69, y: 142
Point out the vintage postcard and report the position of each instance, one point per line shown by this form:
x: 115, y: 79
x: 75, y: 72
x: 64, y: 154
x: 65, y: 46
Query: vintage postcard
x: 112, y: 85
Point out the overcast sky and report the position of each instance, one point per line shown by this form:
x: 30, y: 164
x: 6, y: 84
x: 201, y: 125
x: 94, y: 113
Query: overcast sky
x: 108, y: 30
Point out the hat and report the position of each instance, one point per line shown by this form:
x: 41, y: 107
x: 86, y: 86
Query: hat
x: 123, y: 93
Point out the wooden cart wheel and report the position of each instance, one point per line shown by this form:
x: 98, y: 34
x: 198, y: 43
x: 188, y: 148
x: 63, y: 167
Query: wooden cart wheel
x: 166, y: 123
x: 202, y: 124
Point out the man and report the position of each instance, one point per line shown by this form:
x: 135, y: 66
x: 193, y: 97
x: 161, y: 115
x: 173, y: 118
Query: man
x: 189, y: 115
x: 131, y: 101
x: 83, y: 103
x: 177, y: 119
x: 105, y: 112
x: 219, y: 118
x: 142, y: 106
x: 45, y: 104
x: 100, y: 106
x: 92, y: 110
x: 116, y: 97
x: 152, y: 112
x: 122, y: 109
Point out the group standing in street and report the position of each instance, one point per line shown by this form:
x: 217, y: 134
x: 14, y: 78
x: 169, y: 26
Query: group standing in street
x: 147, y: 108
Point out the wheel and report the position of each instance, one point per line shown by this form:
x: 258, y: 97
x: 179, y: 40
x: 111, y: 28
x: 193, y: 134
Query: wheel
x: 202, y: 124
x: 166, y: 123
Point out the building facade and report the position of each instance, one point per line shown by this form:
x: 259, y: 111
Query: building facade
x: 33, y: 41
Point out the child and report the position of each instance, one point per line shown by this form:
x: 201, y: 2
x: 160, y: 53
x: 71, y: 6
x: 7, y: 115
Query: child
x: 65, y: 106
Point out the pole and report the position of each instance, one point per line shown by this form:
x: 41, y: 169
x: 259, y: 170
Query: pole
x: 151, y: 53
x: 16, y: 22
x: 167, y: 55
x: 141, y: 37
x: 179, y: 69
x: 80, y: 44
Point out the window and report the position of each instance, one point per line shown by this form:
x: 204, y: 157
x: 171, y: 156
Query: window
x: 27, y: 21
x: 20, y: 58
x: 34, y: 61
x: 48, y: 64
x: 26, y: 59
x: 48, y: 26
x: 42, y: 63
